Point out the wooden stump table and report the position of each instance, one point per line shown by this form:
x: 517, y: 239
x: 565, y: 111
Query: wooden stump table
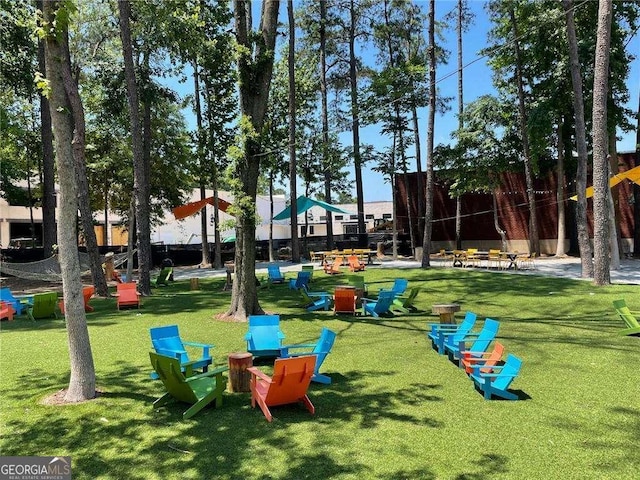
x: 446, y: 311
x: 239, y: 378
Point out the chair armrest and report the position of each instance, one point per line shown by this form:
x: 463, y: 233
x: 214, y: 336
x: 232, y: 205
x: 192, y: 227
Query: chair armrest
x: 199, y: 345
x: 494, y: 375
x: 210, y: 373
x: 255, y: 372
x: 475, y: 355
x: 299, y: 345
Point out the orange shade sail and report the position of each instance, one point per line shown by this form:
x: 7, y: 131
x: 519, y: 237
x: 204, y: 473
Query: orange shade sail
x: 188, y: 209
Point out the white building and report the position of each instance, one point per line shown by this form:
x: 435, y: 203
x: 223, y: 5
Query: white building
x: 15, y: 222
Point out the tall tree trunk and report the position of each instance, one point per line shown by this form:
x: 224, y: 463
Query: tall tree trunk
x: 614, y: 207
x: 217, y: 257
x: 325, y: 120
x: 420, y: 179
x: 534, y: 241
x: 636, y: 192
x: 460, y: 112
x: 394, y: 197
x: 82, y: 183
x: 49, y: 231
x: 582, y: 225
x: 560, y: 244
x: 141, y: 171
x: 601, y: 274
x: 428, y: 214
x: 496, y: 223
x: 204, y: 234
x: 355, y: 117
x: 255, y: 68
x: 82, y: 381
x: 293, y: 177
x: 271, y: 210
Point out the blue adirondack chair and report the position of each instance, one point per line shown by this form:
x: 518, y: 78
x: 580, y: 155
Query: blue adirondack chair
x: 454, y: 347
x: 399, y: 286
x: 7, y: 296
x: 274, y: 275
x: 315, y: 300
x: 497, y: 382
x: 166, y: 341
x: 320, y: 349
x: 380, y: 306
x: 438, y: 332
x: 301, y: 281
x: 264, y: 337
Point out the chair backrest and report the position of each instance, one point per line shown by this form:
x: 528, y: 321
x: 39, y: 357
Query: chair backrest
x: 625, y: 313
x: 303, y: 279
x: 337, y: 263
x: 486, y: 335
x: 163, y: 276
x: 510, y: 370
x: 127, y: 293
x: 400, y: 285
x: 354, y: 262
x: 324, y: 345
x: 489, y: 361
x: 465, y: 327
x: 166, y: 341
x: 168, y: 369
x: 344, y: 300
x: 290, y: 380
x: 44, y: 304
x: 7, y: 296
x: 385, y: 300
x: 87, y: 292
x: 264, y: 332
x: 273, y: 271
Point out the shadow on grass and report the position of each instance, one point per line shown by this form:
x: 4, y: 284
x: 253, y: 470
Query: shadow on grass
x: 120, y: 435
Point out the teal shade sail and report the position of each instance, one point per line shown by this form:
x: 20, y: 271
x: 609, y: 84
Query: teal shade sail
x: 304, y: 204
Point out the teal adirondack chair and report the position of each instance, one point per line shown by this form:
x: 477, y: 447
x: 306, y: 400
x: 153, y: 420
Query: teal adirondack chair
x: 301, y: 281
x: 163, y: 276
x: 438, y: 332
x: 264, y: 337
x: 7, y: 296
x: 199, y: 390
x: 166, y: 341
x: 320, y: 349
x: 43, y: 305
x: 498, y: 380
x: 380, y: 306
x: 274, y: 275
x: 633, y: 326
x: 454, y: 347
x: 399, y: 286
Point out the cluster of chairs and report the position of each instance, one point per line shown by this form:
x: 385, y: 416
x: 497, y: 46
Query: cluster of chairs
x: 470, y: 350
x: 295, y: 367
x: 36, y: 306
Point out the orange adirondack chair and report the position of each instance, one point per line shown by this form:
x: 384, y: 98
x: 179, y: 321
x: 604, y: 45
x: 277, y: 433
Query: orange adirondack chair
x: 289, y: 384
x: 6, y: 311
x: 344, y: 300
x: 127, y: 295
x: 334, y: 268
x: 486, y: 359
x: 87, y: 293
x: 354, y: 264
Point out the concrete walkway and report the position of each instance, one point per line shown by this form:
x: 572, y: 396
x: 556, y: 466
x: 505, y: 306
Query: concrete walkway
x: 570, y: 267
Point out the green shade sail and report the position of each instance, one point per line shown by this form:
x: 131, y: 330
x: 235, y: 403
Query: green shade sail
x: 304, y: 204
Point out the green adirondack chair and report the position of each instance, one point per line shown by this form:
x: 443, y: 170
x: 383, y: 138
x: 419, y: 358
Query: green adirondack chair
x: 633, y: 326
x: 163, y: 276
x: 404, y: 303
x: 199, y: 390
x: 43, y: 305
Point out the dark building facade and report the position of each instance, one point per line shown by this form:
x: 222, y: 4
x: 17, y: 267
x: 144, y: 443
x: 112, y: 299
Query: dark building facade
x: 477, y: 227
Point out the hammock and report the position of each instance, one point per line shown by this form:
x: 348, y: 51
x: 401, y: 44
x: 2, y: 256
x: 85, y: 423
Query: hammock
x: 48, y: 270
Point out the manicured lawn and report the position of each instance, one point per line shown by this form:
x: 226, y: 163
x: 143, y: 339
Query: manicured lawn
x: 395, y: 409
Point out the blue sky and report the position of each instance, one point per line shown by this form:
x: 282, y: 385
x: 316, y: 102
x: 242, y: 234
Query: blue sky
x: 477, y: 82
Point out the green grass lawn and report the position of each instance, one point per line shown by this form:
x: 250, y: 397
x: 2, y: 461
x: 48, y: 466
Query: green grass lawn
x: 395, y: 409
